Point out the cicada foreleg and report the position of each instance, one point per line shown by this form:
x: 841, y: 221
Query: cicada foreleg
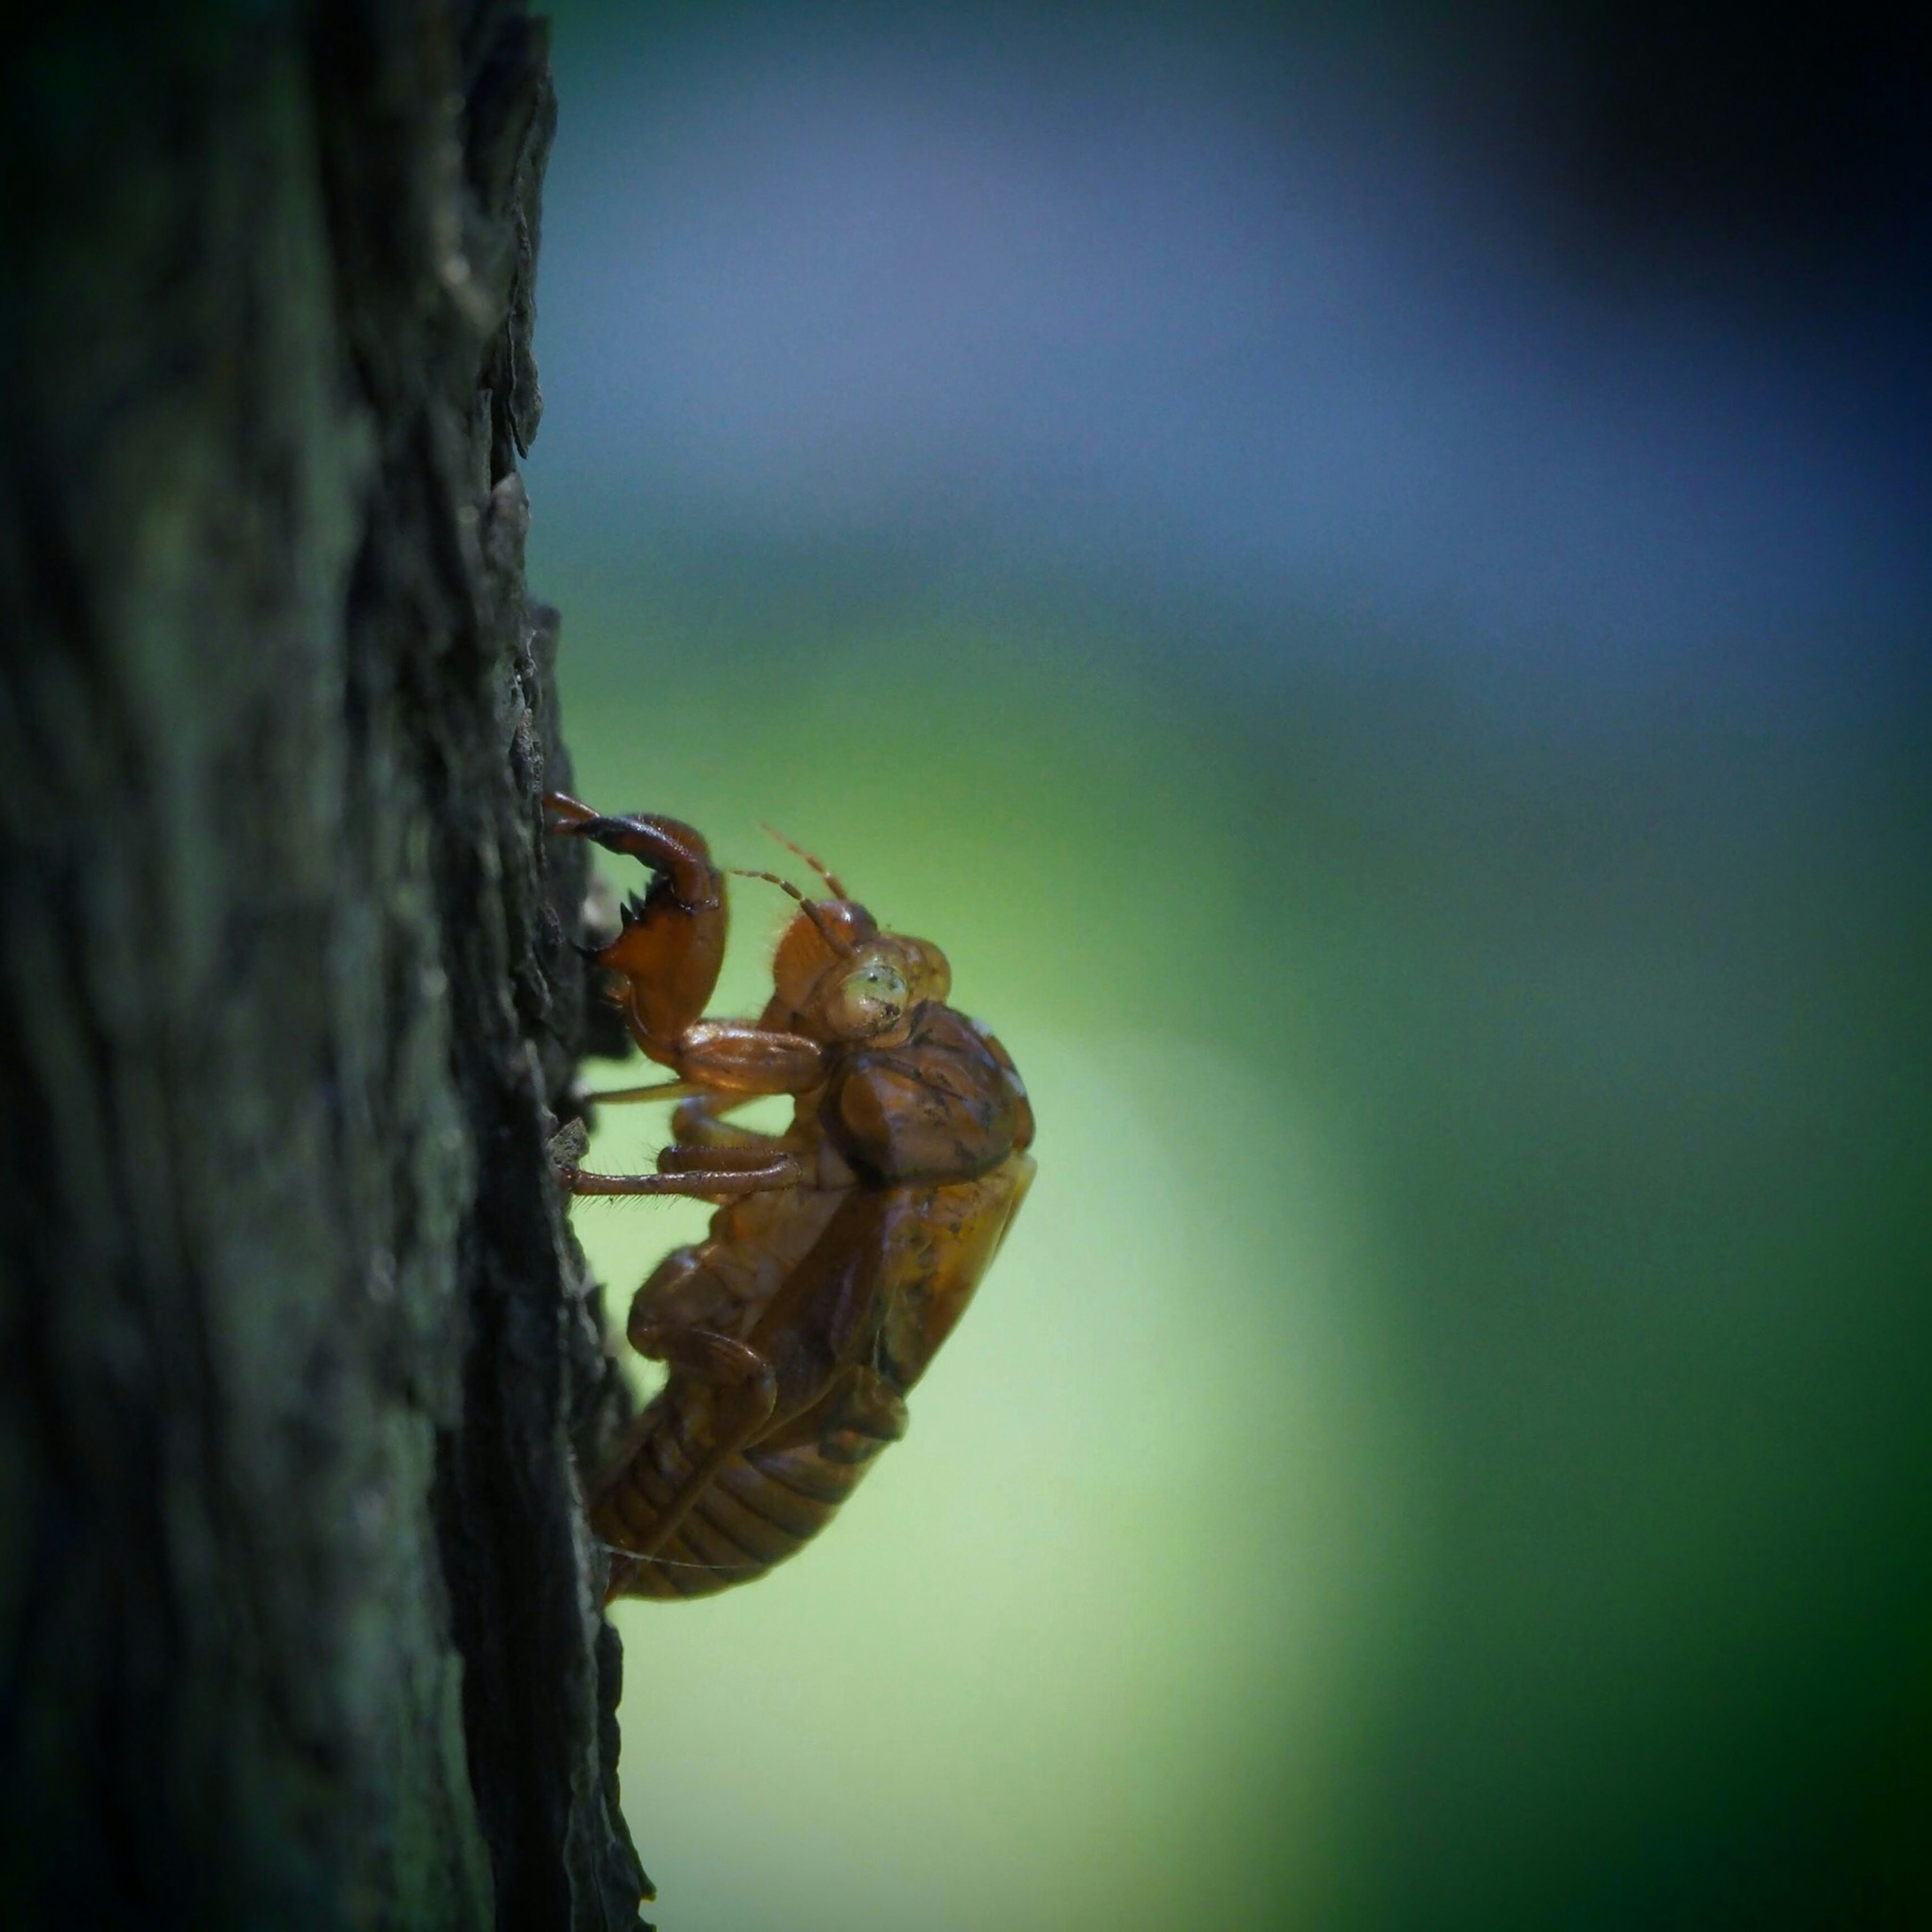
x: 665, y: 958
x: 665, y: 962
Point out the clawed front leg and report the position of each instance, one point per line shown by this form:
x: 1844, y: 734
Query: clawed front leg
x: 665, y: 962
x: 672, y: 849
x: 733, y: 1056
x: 666, y: 958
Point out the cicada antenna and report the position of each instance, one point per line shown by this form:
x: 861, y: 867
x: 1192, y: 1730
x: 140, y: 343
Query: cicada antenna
x: 810, y: 911
x: 816, y: 864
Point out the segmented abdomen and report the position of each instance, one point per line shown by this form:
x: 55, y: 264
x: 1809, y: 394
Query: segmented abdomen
x: 918, y: 1252
x: 761, y: 1507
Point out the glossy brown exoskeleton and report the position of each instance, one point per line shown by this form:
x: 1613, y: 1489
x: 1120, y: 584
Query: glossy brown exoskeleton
x: 845, y: 1248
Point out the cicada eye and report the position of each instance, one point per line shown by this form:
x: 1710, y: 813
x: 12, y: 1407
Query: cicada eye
x: 868, y: 1000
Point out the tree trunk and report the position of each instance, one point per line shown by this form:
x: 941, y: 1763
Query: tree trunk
x: 299, y: 1623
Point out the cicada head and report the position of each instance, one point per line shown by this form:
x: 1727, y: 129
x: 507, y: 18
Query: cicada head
x: 839, y: 977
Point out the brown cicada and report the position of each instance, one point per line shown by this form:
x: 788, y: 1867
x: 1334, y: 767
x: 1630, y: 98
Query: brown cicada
x: 843, y: 1249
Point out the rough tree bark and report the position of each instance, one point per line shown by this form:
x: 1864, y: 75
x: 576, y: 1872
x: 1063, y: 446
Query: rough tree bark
x: 298, y: 1621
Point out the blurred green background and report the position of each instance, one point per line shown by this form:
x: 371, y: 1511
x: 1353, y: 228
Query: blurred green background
x: 1412, y: 726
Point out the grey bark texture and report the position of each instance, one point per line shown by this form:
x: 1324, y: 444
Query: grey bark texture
x: 299, y: 1622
